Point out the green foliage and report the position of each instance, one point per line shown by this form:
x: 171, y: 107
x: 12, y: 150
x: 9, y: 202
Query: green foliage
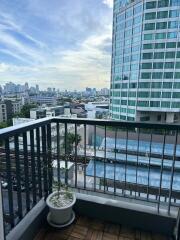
x: 25, y: 111
x: 3, y: 125
x: 70, y: 140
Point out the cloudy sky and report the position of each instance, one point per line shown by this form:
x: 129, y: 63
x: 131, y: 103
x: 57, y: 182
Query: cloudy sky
x: 58, y: 43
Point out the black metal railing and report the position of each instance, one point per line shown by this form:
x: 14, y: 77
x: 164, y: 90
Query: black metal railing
x: 124, y: 159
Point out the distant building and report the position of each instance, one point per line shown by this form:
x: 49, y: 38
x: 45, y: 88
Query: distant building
x: 17, y: 121
x: 42, y: 112
x: 26, y: 87
x: 3, y: 112
x: 1, y: 90
x: 104, y: 92
x: 97, y: 109
x: 37, y: 89
x: 8, y: 108
x: 38, y: 99
x: 79, y: 110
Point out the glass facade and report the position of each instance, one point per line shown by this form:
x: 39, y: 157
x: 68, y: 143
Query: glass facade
x: 145, y: 57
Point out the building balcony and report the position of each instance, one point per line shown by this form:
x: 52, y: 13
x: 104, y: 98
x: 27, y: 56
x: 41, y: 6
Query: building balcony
x: 126, y: 177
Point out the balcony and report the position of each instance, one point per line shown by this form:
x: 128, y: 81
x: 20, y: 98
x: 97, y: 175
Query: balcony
x: 125, y: 175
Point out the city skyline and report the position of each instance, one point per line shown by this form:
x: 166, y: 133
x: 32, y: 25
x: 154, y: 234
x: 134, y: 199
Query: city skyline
x: 56, y: 45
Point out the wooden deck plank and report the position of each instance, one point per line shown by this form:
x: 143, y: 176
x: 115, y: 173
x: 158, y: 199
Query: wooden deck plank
x: 85, y: 228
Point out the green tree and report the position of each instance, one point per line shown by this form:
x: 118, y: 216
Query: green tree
x: 71, y: 138
x: 25, y: 111
x: 3, y: 125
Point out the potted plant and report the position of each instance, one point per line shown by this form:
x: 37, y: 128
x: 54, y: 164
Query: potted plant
x: 60, y: 204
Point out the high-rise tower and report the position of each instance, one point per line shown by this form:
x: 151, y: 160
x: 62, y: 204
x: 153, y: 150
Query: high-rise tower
x: 145, y: 80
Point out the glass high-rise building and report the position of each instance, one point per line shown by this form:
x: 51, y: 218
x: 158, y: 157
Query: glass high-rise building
x: 145, y: 75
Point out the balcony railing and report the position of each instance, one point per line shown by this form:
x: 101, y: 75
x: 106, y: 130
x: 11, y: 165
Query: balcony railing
x: 121, y: 160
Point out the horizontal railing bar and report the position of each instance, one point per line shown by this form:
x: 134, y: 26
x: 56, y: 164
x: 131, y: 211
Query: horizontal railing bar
x: 114, y: 123
x: 18, y: 129
x: 11, y: 131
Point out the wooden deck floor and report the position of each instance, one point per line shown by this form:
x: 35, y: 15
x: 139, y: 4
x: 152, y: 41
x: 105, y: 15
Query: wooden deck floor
x: 92, y: 229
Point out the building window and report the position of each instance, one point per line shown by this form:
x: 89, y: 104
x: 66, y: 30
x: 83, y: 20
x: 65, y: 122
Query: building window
x: 169, y: 65
x: 148, y: 36
x: 173, y: 13
x: 163, y: 3
x: 154, y: 104
x: 171, y: 45
x: 147, y: 46
x: 150, y: 5
x: 147, y: 55
x: 167, y: 85
x: 143, y: 103
x: 158, y: 65
x: 145, y: 75
x: 157, y: 75
x: 165, y: 104
x: 144, y: 85
x: 160, y: 36
x: 161, y: 25
x: 146, y: 65
x: 155, y: 94
x: 156, y: 85
x: 149, y: 16
x: 166, y: 95
x: 149, y: 26
x: 170, y: 54
x: 158, y: 55
x: 162, y: 14
x: 168, y: 75
x: 159, y: 45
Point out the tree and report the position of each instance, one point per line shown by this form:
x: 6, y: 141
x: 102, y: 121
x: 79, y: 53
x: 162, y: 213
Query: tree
x: 71, y: 138
x: 3, y: 125
x: 25, y: 111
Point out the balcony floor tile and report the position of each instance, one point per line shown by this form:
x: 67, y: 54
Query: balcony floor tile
x: 93, y: 229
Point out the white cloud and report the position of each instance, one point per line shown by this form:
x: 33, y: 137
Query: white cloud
x: 109, y: 3
x: 3, y: 67
x: 59, y: 63
x: 89, y: 65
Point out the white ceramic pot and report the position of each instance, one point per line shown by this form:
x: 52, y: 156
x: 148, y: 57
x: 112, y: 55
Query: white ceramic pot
x: 60, y: 216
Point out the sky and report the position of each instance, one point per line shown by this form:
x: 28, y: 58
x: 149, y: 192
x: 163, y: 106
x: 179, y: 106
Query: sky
x: 64, y: 44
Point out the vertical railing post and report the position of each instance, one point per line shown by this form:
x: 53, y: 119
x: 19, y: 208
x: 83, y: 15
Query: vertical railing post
x: 49, y: 164
x: 58, y: 157
x: 1, y: 217
x: 44, y: 156
x: 66, y: 153
x: 76, y: 143
x: 85, y: 159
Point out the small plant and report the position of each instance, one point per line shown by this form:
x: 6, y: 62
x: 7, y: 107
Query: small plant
x: 63, y: 197
x: 60, y: 202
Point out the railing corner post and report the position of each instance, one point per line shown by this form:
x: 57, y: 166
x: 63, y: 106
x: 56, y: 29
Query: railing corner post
x: 2, y: 235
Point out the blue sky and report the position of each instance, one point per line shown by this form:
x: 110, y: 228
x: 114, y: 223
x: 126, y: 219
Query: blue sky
x: 59, y: 43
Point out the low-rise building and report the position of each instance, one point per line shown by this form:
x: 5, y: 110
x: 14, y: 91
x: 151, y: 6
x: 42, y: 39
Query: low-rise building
x: 41, y: 112
x: 38, y: 99
x: 8, y: 108
x: 97, y: 109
